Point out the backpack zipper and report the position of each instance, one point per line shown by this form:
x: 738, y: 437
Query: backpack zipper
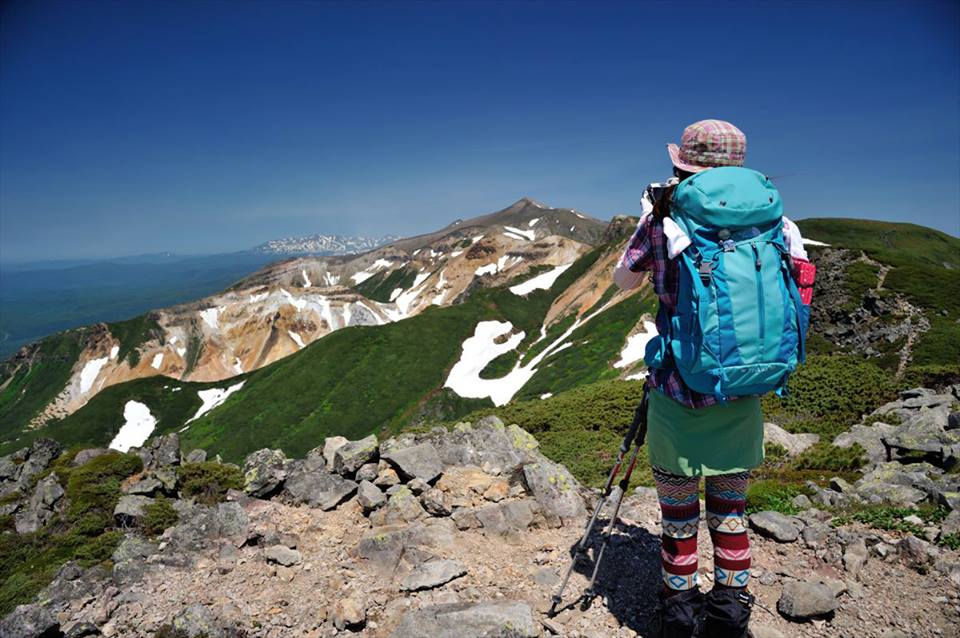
x: 760, y: 302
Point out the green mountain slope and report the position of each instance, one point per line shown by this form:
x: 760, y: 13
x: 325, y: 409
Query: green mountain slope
x: 891, y: 262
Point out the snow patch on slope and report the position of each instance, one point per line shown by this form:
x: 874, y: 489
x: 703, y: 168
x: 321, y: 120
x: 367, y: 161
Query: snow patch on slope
x: 529, y: 234
x: 213, y: 398
x: 139, y: 423
x: 540, y: 282
x: 157, y: 361
x: 90, y: 373
x: 636, y: 345
x: 296, y: 338
x: 211, y: 317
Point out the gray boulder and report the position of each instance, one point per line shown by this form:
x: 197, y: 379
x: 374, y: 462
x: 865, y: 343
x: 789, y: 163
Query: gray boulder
x: 803, y: 600
x: 870, y: 438
x: 130, y: 558
x: 264, y: 472
x: 316, y: 488
x: 555, y: 489
x: 40, y: 508
x: 893, y: 483
x: 368, y: 472
x: 349, y: 457
x: 509, y: 516
x: 30, y: 621
x: 369, y: 496
x: 435, y: 502
x: 89, y: 454
x: 161, y: 451
x: 432, y: 574
x: 793, y: 443
x: 196, y: 456
x: 197, y: 621
x: 147, y: 486
x: 775, y: 525
x: 330, y: 445
x: 282, y: 555
x: 131, y: 509
x: 401, y: 507
x: 417, y: 461
x: 499, y: 619
x: 854, y: 556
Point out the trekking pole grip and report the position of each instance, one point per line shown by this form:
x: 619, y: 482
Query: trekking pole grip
x: 639, y: 416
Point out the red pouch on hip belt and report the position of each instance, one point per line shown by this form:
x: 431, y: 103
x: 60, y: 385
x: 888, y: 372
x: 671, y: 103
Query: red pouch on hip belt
x: 804, y: 273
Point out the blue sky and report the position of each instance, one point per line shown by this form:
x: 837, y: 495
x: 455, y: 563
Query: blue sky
x: 135, y: 127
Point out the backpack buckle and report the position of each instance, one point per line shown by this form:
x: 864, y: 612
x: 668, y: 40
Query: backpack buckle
x: 705, y: 270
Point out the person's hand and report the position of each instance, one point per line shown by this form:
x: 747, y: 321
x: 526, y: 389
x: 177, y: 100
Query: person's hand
x: 661, y: 201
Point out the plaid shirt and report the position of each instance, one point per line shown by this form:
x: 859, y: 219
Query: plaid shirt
x: 647, y: 252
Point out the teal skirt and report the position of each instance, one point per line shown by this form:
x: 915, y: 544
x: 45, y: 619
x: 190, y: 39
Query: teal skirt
x: 719, y: 439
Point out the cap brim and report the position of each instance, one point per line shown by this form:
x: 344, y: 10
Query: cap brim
x: 674, y: 152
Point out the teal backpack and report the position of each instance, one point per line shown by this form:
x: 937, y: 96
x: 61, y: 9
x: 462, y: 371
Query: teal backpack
x: 740, y: 323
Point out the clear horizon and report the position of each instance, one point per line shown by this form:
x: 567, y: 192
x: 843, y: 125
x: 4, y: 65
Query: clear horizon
x: 134, y: 129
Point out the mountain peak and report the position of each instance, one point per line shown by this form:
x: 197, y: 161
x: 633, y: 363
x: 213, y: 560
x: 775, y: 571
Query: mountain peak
x: 527, y: 201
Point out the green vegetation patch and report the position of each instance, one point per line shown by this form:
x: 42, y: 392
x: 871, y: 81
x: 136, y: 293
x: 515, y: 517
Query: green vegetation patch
x: 380, y: 286
x: 84, y: 533
x: 101, y: 418
x: 133, y: 333
x: 500, y: 366
x: 860, y: 277
x: 769, y: 494
x: 32, y: 384
x: 158, y: 516
x: 829, y: 394
x: 209, y: 481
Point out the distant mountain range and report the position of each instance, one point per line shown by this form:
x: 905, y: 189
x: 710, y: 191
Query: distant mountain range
x: 320, y: 244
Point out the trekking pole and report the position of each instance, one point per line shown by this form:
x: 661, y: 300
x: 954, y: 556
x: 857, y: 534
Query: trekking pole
x: 580, y: 551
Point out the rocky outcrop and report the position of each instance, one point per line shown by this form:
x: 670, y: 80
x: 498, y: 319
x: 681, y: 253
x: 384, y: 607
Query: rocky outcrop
x: 462, y: 532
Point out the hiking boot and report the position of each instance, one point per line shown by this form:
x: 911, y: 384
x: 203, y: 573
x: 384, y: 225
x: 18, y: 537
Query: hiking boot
x: 679, y: 614
x: 727, y: 613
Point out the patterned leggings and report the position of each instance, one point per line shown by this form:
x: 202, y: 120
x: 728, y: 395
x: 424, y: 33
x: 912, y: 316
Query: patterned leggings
x: 680, y: 506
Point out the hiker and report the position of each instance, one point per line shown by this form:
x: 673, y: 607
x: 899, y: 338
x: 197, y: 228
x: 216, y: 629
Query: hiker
x: 690, y: 236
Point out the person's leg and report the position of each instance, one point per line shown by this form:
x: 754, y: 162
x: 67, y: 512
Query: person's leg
x: 729, y: 604
x: 681, y: 602
x: 680, y: 509
x: 726, y: 500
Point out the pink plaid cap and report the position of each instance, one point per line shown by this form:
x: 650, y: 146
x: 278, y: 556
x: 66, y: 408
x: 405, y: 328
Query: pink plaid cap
x: 708, y: 144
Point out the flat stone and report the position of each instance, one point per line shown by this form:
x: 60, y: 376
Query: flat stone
x: 854, y: 557
x: 29, y: 621
x: 495, y: 619
x: 775, y: 525
x: 803, y: 600
x: 765, y: 631
x: 264, y: 472
x: 369, y: 496
x: 435, y: 502
x: 282, y: 555
x: 131, y: 509
x: 348, y: 613
x: 432, y: 574
x: 794, y: 444
x: 555, y: 489
x: 506, y: 517
x: 349, y: 457
x: 330, y: 445
x: 317, y: 488
x: 417, y: 461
